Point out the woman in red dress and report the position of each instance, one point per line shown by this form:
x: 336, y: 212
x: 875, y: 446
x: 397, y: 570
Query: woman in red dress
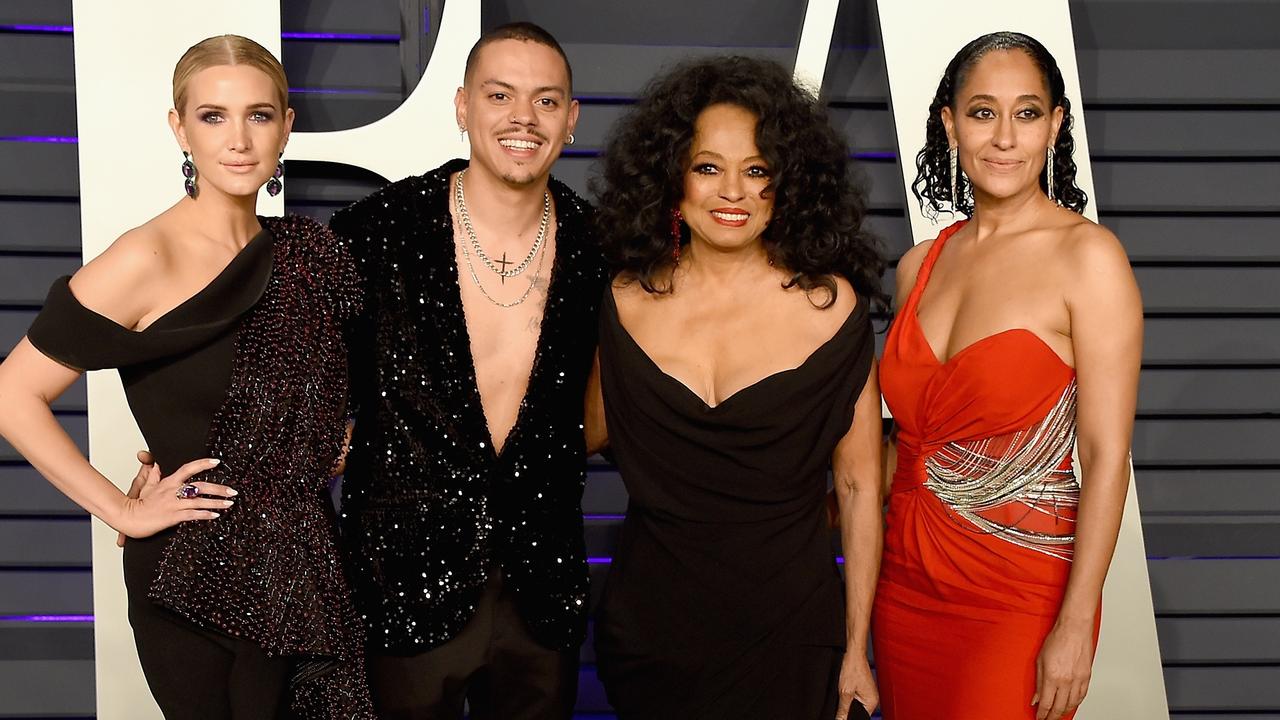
x: 1018, y: 335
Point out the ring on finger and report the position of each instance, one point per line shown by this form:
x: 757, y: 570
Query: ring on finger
x: 187, y: 491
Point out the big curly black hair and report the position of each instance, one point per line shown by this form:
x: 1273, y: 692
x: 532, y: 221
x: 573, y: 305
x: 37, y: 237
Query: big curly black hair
x: 816, y: 230
x: 932, y: 186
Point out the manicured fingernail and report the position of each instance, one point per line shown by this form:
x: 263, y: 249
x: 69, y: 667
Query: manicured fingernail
x: 228, y: 503
x: 231, y: 492
x: 215, y: 461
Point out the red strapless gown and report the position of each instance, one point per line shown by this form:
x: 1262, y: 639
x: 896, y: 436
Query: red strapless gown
x: 981, y: 519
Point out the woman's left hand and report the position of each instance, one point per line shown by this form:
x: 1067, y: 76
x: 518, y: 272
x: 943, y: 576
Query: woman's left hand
x: 856, y: 685
x: 1063, y: 670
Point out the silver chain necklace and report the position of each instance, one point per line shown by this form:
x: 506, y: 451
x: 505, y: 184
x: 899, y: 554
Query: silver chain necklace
x: 460, y: 199
x: 537, y: 275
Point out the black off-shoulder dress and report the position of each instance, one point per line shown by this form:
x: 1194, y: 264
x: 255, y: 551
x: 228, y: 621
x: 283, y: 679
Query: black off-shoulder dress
x: 723, y: 599
x: 231, y: 620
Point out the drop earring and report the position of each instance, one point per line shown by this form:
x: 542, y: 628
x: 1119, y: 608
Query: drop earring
x: 955, y: 172
x: 189, y: 172
x: 676, y: 219
x: 1048, y: 173
x: 275, y: 184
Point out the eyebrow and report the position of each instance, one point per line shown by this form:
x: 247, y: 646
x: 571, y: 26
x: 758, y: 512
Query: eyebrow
x: 255, y: 106
x: 536, y: 91
x: 1021, y: 98
x: 714, y: 154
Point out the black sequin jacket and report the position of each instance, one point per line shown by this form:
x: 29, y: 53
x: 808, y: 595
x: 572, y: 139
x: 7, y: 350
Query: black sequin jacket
x: 428, y: 507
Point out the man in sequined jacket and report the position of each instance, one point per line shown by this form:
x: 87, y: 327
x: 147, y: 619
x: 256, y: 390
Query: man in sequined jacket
x: 461, y: 501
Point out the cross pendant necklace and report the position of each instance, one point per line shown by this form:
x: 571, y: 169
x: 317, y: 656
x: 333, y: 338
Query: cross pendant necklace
x: 504, y: 262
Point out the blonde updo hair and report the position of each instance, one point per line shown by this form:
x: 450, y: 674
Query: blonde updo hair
x: 227, y: 50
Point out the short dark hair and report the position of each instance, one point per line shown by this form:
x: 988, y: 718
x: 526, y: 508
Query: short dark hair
x: 524, y: 32
x: 817, y: 229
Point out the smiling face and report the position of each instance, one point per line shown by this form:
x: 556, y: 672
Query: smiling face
x: 725, y: 203
x: 517, y: 111
x: 233, y: 127
x: 1002, y: 123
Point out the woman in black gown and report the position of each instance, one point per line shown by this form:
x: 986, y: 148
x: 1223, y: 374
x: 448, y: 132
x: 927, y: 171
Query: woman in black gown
x: 226, y: 328
x: 736, y: 368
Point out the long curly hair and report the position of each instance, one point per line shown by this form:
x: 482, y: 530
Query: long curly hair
x: 816, y: 230
x: 932, y: 186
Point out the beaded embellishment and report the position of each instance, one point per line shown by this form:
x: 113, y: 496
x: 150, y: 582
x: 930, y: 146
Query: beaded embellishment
x: 1030, y: 467
x: 270, y: 570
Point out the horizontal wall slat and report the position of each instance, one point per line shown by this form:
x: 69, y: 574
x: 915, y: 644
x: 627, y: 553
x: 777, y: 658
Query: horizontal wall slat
x: 1208, y: 491
x: 1211, y: 76
x: 336, y: 16
x: 1197, y: 239
x: 35, y: 592
x: 44, y: 542
x: 1206, y: 442
x: 48, y: 169
x: 1209, y: 289
x: 335, y: 64
x: 597, y: 72
x: 36, y: 109
x: 40, y: 226
x: 1204, y: 640
x: 1217, y: 186
x: 1211, y: 340
x: 1183, y: 133
x: 36, y: 58
x: 26, y: 280
x: 46, y: 640
x: 1212, y: 535
x: 1223, y: 688
x: 35, y: 12
x: 1214, y: 587
x: 23, y: 491
x: 47, y: 688
x: 1209, y: 391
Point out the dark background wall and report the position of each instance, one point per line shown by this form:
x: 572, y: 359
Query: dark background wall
x: 1182, y: 102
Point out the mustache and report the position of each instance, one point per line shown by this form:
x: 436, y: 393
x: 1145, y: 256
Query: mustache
x: 526, y: 132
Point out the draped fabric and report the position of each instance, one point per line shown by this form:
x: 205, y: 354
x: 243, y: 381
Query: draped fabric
x: 981, y: 521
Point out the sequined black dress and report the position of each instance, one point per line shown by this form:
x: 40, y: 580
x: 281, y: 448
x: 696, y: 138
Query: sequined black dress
x: 428, y: 508
x: 723, y: 599
x: 250, y: 370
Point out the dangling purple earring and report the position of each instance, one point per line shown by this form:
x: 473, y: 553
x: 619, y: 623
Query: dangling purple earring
x: 676, y: 219
x: 189, y: 172
x: 274, y: 186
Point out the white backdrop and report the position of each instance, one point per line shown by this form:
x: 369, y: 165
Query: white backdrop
x: 920, y: 37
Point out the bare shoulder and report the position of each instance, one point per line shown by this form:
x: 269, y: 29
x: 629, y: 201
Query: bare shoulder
x: 1089, y: 247
x: 117, y: 282
x: 846, y: 297
x: 908, y: 270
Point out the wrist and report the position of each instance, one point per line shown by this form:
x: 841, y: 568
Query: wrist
x: 1076, y: 620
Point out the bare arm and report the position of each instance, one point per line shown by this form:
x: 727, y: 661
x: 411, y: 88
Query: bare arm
x: 856, y: 469
x: 31, y: 381
x: 1106, y: 336
x: 595, y: 429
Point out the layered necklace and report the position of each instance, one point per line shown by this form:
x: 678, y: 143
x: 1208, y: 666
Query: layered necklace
x: 460, y: 199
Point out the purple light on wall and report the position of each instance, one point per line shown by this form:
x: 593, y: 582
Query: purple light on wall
x: 58, y: 139
x: 602, y: 516
x: 46, y: 618
x: 599, y: 560
x: 335, y: 91
x: 876, y: 155
x: 48, y: 29
x: 353, y: 37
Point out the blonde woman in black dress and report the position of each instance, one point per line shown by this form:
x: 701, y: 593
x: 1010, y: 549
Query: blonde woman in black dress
x: 226, y: 328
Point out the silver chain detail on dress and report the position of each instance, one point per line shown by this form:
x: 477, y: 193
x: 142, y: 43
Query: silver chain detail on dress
x: 461, y: 200
x: 970, y: 478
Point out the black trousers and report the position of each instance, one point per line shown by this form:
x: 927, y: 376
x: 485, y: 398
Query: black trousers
x: 194, y: 673
x: 494, y: 665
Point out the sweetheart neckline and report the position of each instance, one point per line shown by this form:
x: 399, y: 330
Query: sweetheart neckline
x: 847, y: 323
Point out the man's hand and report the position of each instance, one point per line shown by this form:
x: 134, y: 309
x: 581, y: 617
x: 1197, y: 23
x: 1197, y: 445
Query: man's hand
x: 135, y: 488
